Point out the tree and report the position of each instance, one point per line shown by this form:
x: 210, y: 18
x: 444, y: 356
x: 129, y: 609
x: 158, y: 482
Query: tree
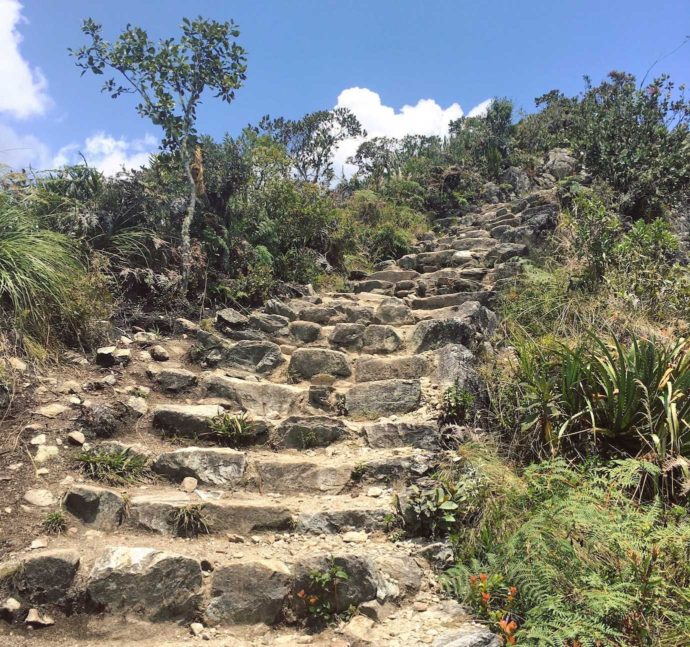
x: 311, y: 141
x: 170, y: 78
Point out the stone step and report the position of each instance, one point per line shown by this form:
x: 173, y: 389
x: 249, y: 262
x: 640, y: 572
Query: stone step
x: 453, y: 299
x: 161, y: 579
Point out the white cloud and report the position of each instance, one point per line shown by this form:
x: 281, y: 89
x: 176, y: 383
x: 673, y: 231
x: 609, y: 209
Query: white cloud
x: 426, y: 117
x: 108, y: 154
x: 21, y: 151
x: 24, y: 88
x: 105, y: 152
x: 481, y: 109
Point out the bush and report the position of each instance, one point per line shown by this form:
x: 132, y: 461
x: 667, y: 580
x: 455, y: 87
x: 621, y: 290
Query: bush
x: 590, y: 564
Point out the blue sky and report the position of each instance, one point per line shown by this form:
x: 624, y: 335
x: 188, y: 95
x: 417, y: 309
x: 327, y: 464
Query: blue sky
x: 305, y: 54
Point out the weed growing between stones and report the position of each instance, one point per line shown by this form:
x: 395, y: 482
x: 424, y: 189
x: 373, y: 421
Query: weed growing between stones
x: 322, y: 599
x: 232, y: 429
x: 190, y: 521
x: 54, y: 523
x: 116, y: 467
x: 456, y: 405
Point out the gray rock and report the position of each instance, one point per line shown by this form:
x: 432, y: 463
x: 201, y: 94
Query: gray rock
x: 283, y: 473
x: 517, y: 178
x: 380, y: 339
x: 356, y: 314
x: 231, y: 317
x: 111, y: 355
x: 560, y: 163
x: 505, y: 251
x: 470, y: 321
x: 307, y: 362
x: 47, y: 577
x: 370, y: 369
x: 393, y: 276
x: 159, y: 354
x: 468, y: 636
x: 399, y: 577
x: 305, y: 432
x: 210, y: 466
x: 185, y: 419
x: 39, y: 498
x: 249, y: 592
x: 261, y: 398
x: 373, y: 399
x: 305, y: 331
x: 402, y: 434
x: 318, y: 314
x: 347, y: 335
x: 455, y: 364
x: 159, y: 585
x: 394, y: 312
x: 259, y: 356
x: 97, y: 506
x: 361, y: 585
x: 325, y: 522
x: 374, y: 286
x: 277, y: 307
x: 268, y: 323
x: 172, y: 380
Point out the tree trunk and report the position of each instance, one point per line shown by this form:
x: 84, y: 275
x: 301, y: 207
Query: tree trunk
x: 187, y: 224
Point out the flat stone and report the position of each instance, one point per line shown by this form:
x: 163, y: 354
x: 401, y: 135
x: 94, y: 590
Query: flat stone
x: 468, y: 636
x: 307, y: 362
x: 264, y: 399
x: 261, y: 398
x: 355, y: 537
x: 374, y: 399
x: 231, y: 317
x: 402, y: 434
x: 154, y: 583
x: 371, y: 369
x: 249, y: 592
x: 285, y: 473
x: 172, y: 380
x: 269, y: 323
x: 38, y: 440
x: 302, y: 432
x: 318, y: 314
x: 210, y: 466
x: 40, y: 498
x: 185, y: 419
x: 52, y: 410
x: 394, y: 313
x: 189, y: 484
x: 470, y: 322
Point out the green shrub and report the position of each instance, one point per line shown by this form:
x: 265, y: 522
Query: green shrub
x: 456, y: 405
x: 590, y: 563
x: 233, y: 430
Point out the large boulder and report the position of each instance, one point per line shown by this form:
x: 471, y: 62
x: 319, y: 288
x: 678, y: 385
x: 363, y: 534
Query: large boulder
x: 455, y: 364
x: 210, y: 466
x: 154, y: 583
x: 248, y: 592
x: 305, y: 331
x: 307, y: 362
x: 99, y: 507
x: 47, y: 577
x: 385, y: 397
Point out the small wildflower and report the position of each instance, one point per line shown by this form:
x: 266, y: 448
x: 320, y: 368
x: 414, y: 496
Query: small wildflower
x: 483, y: 577
x: 301, y: 594
x: 486, y: 597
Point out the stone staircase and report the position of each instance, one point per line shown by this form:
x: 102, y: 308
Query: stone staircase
x: 227, y: 524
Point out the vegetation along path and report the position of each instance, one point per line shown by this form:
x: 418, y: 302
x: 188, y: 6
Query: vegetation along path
x: 243, y: 476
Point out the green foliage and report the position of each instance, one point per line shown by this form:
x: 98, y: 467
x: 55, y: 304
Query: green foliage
x: 233, y: 429
x: 311, y: 141
x: 54, y: 523
x: 322, y: 598
x: 456, y: 405
x: 116, y: 467
x: 189, y: 520
x: 590, y: 564
x: 40, y: 271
